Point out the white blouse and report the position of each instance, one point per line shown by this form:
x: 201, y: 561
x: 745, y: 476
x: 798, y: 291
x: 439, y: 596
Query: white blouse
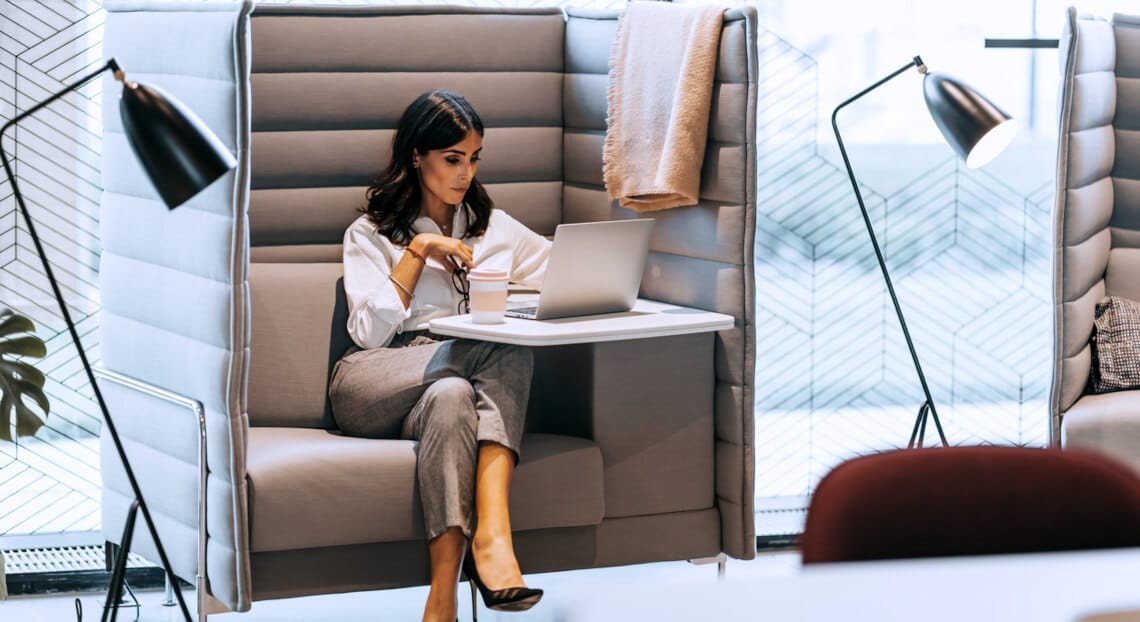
x: 376, y: 312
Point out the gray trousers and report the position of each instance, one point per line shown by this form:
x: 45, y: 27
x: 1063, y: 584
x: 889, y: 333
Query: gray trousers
x: 449, y: 395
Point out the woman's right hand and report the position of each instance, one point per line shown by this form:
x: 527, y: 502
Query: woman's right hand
x: 446, y: 250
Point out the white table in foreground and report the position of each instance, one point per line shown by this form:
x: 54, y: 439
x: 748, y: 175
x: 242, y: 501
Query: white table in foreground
x: 1037, y: 587
x: 647, y: 319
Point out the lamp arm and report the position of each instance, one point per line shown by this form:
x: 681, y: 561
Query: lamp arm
x: 111, y: 64
x: 108, y: 422
x: 916, y: 62
x: 929, y: 404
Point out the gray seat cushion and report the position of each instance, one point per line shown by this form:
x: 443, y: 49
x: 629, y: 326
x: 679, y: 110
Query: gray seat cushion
x: 1108, y: 423
x: 314, y: 488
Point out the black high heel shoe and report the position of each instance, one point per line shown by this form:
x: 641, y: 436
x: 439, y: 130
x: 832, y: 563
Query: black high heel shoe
x: 506, y: 599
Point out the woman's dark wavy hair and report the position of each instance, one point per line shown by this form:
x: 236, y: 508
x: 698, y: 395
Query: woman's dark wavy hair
x: 435, y: 120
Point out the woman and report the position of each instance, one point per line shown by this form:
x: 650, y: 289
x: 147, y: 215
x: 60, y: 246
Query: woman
x: 428, y: 219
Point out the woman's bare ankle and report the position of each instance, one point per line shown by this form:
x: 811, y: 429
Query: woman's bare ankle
x: 495, y: 560
x: 440, y: 606
x: 490, y: 540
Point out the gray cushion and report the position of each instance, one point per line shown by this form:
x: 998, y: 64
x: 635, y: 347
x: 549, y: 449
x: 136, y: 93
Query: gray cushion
x: 1108, y: 423
x: 313, y: 488
x: 299, y: 323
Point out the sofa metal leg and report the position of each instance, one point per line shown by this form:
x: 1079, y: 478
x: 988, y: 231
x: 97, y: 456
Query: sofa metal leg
x: 168, y: 594
x: 203, y: 598
x: 720, y: 560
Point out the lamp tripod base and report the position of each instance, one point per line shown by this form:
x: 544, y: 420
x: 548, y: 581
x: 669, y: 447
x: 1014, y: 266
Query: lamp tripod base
x: 119, y: 572
x: 919, y: 431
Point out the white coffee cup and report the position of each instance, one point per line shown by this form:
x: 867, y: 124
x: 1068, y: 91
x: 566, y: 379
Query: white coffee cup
x: 488, y: 295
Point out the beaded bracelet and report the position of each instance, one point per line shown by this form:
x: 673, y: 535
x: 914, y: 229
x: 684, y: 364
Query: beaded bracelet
x: 400, y: 286
x: 416, y: 255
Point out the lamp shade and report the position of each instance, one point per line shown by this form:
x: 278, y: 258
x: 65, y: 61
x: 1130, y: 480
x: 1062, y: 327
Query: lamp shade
x: 178, y: 151
x: 976, y: 128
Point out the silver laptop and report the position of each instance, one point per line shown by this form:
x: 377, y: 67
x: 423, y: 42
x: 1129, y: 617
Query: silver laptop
x: 594, y: 267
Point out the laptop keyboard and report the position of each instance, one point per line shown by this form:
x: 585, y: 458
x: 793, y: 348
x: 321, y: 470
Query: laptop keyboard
x: 524, y: 312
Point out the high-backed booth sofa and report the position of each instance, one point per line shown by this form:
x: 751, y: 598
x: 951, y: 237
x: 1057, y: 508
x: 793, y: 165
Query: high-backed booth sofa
x: 222, y: 319
x: 1096, y: 224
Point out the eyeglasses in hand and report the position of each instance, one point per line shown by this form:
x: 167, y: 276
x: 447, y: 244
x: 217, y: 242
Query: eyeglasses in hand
x: 463, y: 286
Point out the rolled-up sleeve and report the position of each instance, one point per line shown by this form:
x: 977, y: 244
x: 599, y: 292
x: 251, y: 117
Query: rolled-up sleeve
x: 375, y: 309
x: 531, y: 254
x: 525, y: 251
x: 510, y: 245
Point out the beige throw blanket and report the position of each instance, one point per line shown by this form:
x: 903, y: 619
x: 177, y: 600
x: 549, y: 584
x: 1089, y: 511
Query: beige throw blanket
x: 661, y: 77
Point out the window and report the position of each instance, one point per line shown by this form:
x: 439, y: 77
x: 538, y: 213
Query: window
x: 968, y: 250
x: 49, y: 484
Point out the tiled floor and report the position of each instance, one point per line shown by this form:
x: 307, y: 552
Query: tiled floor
x: 405, y: 604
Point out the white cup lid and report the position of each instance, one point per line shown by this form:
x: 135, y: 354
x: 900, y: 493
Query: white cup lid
x: 487, y: 274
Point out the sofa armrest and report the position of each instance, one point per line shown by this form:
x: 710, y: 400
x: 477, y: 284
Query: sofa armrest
x: 164, y: 437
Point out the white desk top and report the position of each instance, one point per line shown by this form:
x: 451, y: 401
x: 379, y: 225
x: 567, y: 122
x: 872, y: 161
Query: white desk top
x: 1038, y: 587
x: 647, y: 319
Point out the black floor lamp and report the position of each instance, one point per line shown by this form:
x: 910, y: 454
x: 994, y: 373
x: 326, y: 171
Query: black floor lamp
x: 181, y: 157
x: 978, y: 131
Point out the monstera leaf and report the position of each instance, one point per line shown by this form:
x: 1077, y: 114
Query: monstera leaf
x: 19, y: 381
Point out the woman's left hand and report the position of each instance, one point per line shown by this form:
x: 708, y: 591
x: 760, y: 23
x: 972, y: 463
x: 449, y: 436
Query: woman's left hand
x: 445, y: 250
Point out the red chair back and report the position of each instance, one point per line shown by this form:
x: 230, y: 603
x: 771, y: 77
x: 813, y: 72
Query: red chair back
x: 971, y: 501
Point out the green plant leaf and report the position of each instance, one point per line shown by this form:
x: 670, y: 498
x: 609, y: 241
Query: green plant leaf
x: 5, y: 417
x: 26, y: 389
x: 21, y: 384
x: 23, y: 371
x: 24, y: 346
x: 27, y: 421
x: 15, y: 394
x: 10, y: 323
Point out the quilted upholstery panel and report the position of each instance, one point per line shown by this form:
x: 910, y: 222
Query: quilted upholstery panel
x: 324, y: 128
x: 1085, y: 197
x: 171, y: 281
